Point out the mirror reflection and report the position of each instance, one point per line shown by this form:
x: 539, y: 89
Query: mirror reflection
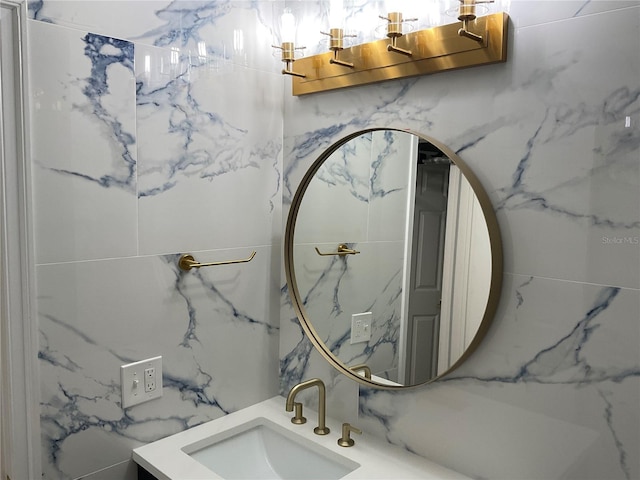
x: 392, y: 257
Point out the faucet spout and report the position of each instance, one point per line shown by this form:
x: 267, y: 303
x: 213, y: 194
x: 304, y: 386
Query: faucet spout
x: 321, y: 429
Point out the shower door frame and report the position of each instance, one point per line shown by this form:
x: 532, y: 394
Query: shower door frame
x: 19, y: 379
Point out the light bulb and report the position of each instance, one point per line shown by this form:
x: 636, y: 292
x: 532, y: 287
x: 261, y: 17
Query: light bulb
x: 336, y: 14
x: 288, y: 26
x: 398, y: 5
x: 433, y: 14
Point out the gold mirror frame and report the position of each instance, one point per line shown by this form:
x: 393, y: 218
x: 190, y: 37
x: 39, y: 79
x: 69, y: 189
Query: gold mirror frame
x: 495, y: 243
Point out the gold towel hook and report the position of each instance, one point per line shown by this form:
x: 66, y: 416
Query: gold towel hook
x: 187, y: 262
x: 342, y: 251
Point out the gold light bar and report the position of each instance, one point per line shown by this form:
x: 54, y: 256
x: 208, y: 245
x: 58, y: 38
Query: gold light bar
x: 432, y: 50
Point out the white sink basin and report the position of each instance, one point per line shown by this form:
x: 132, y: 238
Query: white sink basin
x: 261, y: 442
x: 261, y: 449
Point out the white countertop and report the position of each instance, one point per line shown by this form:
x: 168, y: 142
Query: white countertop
x: 166, y: 460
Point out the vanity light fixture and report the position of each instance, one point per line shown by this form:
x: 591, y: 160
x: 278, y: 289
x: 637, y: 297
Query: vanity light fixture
x: 287, y: 43
x: 422, y: 52
x: 336, y: 32
x: 394, y: 31
x: 466, y: 14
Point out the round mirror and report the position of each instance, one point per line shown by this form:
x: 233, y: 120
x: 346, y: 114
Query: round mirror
x: 393, y: 258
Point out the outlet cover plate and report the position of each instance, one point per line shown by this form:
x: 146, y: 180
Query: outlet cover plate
x: 361, y: 327
x: 136, y: 379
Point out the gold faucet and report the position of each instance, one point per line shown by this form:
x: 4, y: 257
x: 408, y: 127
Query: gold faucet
x: 321, y: 429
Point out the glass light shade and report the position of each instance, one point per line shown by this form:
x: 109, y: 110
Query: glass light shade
x: 408, y: 8
x: 433, y: 13
x: 287, y: 27
x: 481, y: 7
x: 336, y: 14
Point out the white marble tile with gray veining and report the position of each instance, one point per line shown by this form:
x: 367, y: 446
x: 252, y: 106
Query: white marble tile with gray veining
x: 84, y: 148
x: 553, y: 136
x: 520, y: 122
x: 358, y: 197
x: 231, y: 31
x: 549, y: 352
x: 139, y: 309
x: 198, y: 148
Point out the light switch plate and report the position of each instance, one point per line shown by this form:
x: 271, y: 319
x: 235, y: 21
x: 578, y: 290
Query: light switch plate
x: 361, y: 327
x: 141, y: 381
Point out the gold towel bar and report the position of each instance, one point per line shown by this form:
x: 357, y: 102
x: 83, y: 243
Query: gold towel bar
x: 187, y: 262
x: 342, y: 251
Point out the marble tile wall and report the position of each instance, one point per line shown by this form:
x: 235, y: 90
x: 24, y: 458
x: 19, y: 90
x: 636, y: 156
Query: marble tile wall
x: 157, y: 130
x: 358, y: 198
x: 154, y: 132
x: 554, y: 136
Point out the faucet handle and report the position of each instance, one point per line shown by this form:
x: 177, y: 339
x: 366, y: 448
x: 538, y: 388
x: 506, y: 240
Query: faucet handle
x: 298, y: 419
x: 346, y: 440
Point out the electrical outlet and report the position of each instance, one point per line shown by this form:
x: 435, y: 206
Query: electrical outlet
x: 361, y: 327
x: 141, y: 381
x: 149, y: 379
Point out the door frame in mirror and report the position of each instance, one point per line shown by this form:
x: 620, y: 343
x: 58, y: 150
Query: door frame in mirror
x: 495, y: 243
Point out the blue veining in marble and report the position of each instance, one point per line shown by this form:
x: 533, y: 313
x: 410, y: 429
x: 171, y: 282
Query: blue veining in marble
x: 76, y: 332
x: 101, y: 56
x: 35, y: 9
x: 342, y: 166
x: 524, y: 161
x: 582, y: 7
x: 103, y: 52
x: 615, y: 107
x: 293, y: 365
x: 318, y: 140
x: 519, y: 296
x: 194, y: 391
x: 205, y: 144
x: 337, y: 266
x: 565, y: 355
x: 64, y: 414
x: 333, y: 326
x: 184, y: 20
x: 361, y: 168
x: 385, y: 329
x: 66, y: 417
x: 608, y: 416
x: 382, y: 158
x: 560, y: 363
x: 220, y: 300
x: 275, y: 165
x: 54, y: 358
x: 315, y: 141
